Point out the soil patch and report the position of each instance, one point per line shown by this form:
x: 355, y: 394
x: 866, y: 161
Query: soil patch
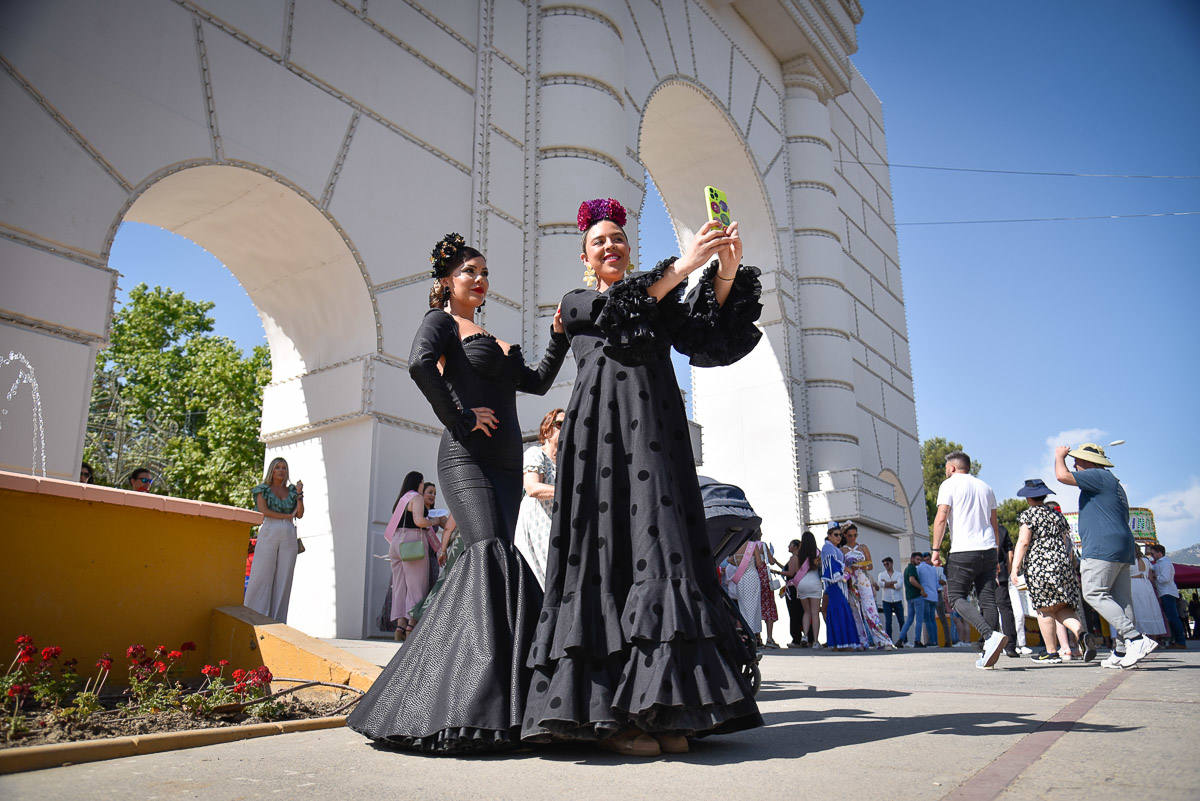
x: 44, y: 729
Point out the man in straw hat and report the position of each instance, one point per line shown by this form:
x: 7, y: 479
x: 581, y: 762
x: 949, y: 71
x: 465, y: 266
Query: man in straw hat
x: 1108, y: 548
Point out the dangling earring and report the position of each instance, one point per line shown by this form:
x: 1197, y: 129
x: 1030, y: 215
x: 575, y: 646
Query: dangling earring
x: 445, y: 295
x: 589, y: 277
x: 629, y: 270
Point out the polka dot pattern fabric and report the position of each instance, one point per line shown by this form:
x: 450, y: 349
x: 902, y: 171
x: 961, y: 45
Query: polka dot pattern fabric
x: 633, y: 630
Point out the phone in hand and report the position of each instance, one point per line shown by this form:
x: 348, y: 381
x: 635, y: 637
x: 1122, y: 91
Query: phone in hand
x: 718, y: 206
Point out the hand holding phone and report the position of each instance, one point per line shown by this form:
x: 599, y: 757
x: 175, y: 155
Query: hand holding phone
x: 718, y: 206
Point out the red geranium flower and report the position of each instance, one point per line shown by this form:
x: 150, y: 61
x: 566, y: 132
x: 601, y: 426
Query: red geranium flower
x: 175, y: 655
x: 212, y: 671
x: 18, y: 690
x: 160, y: 650
x: 51, y: 652
x: 24, y: 640
x: 239, y: 674
x: 135, y: 652
x: 260, y: 676
x: 160, y: 666
x: 188, y: 646
x: 105, y: 662
x: 223, y: 662
x: 239, y: 688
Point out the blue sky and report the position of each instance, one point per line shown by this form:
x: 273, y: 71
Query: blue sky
x: 1023, y: 335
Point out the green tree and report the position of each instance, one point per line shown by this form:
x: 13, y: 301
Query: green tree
x: 170, y: 395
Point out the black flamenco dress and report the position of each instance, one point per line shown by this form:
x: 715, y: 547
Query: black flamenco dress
x: 633, y: 631
x: 459, y: 682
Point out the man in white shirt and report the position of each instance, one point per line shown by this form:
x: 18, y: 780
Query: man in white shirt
x: 1168, y: 593
x: 889, y: 596
x: 969, y: 506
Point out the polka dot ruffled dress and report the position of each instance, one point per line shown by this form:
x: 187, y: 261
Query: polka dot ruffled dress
x: 633, y: 630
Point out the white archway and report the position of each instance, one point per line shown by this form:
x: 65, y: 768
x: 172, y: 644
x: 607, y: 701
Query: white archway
x: 305, y: 280
x: 687, y: 141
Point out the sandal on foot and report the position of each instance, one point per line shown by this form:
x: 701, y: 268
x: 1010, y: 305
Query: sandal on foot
x: 631, y: 742
x: 672, y: 743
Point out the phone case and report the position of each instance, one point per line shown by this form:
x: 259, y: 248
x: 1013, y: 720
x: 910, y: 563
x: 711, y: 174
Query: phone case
x: 718, y: 205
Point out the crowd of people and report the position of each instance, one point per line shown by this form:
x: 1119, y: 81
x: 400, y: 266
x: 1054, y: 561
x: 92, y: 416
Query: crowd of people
x: 569, y: 592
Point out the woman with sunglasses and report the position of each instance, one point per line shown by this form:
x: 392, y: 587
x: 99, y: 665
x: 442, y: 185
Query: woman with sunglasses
x: 533, y: 522
x: 459, y: 683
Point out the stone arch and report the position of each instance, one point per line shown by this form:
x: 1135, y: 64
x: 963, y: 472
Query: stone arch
x: 218, y: 205
x: 307, y: 281
x: 687, y: 139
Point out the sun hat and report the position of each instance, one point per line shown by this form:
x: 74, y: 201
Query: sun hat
x: 1091, y: 452
x: 1034, y: 488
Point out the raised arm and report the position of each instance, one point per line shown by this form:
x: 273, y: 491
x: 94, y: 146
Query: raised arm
x: 538, y: 381
x: 1060, y: 466
x: 709, y: 241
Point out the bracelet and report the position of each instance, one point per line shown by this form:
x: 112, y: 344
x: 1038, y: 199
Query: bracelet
x: 720, y: 277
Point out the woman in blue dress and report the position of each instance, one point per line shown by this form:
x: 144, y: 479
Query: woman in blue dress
x: 840, y: 631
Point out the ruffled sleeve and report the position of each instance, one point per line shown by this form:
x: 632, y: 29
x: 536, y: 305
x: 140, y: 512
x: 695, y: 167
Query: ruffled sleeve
x: 637, y: 326
x: 431, y: 342
x: 715, y: 335
x: 259, y: 490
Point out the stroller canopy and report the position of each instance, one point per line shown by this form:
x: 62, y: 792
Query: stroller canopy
x: 729, y: 517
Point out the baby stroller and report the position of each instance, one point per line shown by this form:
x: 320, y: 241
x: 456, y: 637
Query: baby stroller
x: 731, y: 521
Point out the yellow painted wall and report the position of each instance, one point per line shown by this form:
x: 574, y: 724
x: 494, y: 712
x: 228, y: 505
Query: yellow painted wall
x: 96, y: 577
x: 248, y: 639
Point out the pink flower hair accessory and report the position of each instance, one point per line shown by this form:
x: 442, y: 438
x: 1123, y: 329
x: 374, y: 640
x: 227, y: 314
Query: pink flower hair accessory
x: 593, y: 211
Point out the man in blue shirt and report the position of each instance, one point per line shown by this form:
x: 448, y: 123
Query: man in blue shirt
x: 1108, y: 548
x: 928, y: 576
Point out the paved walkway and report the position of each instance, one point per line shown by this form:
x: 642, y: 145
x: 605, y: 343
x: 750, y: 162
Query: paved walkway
x: 912, y: 724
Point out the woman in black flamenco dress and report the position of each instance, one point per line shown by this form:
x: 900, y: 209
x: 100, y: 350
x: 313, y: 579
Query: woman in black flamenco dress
x: 459, y: 682
x: 634, y: 648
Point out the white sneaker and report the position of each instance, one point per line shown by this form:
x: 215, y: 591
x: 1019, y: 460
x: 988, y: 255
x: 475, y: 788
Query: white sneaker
x: 992, y: 648
x: 1137, y: 650
x: 979, y: 664
x: 963, y: 645
x: 1113, y: 661
x: 1024, y: 650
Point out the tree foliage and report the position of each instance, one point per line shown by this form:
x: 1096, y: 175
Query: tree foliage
x: 171, y: 396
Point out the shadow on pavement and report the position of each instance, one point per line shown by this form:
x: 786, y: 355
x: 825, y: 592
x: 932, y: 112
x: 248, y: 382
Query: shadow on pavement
x: 779, y: 691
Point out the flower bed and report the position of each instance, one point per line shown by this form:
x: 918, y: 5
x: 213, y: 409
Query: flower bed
x: 46, y: 700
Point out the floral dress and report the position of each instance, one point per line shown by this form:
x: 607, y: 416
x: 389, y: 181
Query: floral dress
x: 533, y: 521
x: 1048, y: 572
x: 862, y: 596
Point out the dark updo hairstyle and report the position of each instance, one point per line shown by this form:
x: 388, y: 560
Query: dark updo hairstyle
x: 450, y: 253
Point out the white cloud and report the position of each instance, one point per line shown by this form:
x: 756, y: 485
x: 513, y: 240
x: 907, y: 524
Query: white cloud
x: 1067, y: 496
x: 1177, y: 515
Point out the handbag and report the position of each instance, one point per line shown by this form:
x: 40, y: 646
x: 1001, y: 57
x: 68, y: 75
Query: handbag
x: 412, y: 551
x: 299, y: 546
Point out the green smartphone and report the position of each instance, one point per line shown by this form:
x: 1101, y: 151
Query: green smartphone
x: 718, y: 206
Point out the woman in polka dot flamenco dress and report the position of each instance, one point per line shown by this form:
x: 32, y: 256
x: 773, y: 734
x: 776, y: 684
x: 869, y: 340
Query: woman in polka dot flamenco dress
x: 633, y: 648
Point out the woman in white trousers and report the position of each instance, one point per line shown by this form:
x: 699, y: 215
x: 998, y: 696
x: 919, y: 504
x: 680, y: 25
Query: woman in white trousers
x: 281, y: 503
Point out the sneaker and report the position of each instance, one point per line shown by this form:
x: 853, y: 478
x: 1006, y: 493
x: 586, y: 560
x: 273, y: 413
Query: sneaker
x: 1048, y: 658
x: 1064, y: 656
x: 979, y: 663
x: 1011, y: 653
x: 992, y: 647
x: 1113, y: 661
x: 1137, y: 650
x: 919, y: 645
x: 962, y: 645
x: 1024, y: 650
x: 1088, y: 644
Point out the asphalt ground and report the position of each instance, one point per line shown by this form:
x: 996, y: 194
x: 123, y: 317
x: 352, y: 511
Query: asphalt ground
x: 924, y: 724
